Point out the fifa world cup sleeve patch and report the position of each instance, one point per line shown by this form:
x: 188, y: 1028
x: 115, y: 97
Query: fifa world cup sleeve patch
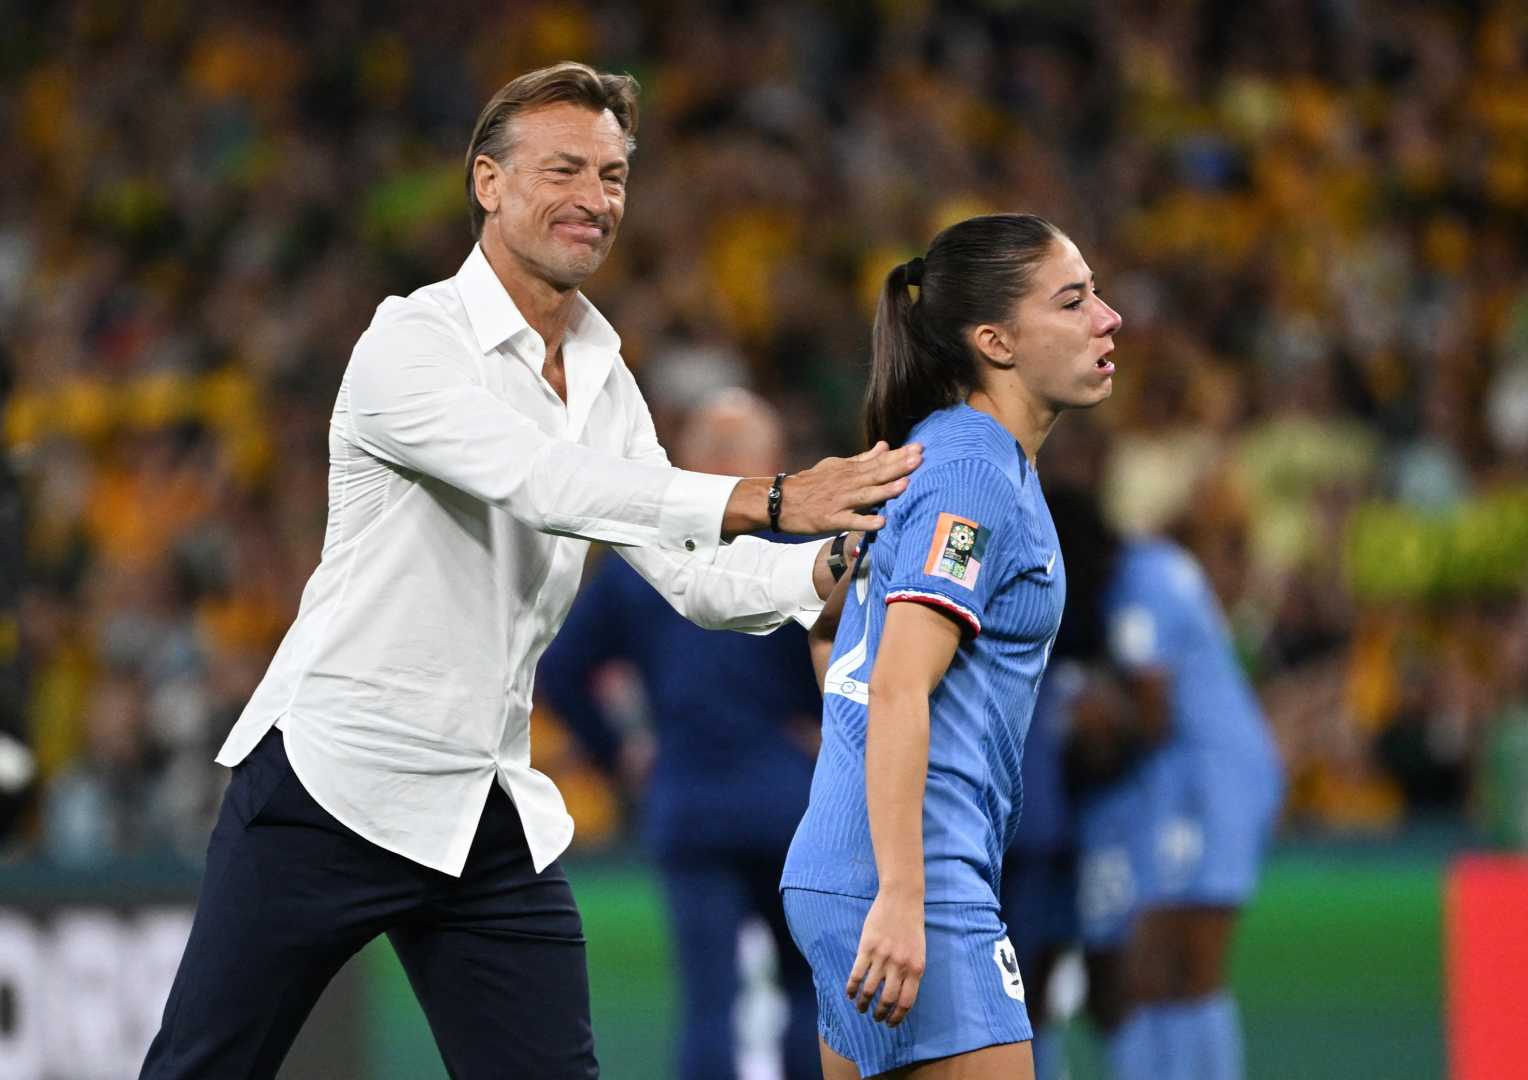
x: 957, y: 550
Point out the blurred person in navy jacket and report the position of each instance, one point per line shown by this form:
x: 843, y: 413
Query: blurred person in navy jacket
x: 735, y: 722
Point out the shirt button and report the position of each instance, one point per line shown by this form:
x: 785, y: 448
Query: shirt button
x: 689, y: 543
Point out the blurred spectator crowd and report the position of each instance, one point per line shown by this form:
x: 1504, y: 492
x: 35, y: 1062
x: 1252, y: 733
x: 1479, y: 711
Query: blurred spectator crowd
x: 1313, y: 216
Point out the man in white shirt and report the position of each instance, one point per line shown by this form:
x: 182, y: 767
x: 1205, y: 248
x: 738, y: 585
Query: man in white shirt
x: 485, y: 430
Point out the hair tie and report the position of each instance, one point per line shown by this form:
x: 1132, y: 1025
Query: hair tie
x: 914, y: 270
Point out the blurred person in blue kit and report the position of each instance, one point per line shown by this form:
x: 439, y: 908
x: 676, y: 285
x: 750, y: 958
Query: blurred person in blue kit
x: 1176, y: 788
x: 485, y: 429
x: 730, y: 772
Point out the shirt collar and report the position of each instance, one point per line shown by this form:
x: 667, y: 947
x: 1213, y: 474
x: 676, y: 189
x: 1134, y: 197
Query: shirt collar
x: 495, y: 318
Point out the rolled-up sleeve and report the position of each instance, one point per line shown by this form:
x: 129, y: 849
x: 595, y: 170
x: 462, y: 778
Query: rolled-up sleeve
x: 414, y: 401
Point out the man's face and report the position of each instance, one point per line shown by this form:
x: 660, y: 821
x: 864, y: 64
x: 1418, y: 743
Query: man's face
x: 556, y: 204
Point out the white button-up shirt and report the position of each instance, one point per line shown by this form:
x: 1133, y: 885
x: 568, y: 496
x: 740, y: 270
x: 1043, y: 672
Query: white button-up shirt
x: 462, y: 496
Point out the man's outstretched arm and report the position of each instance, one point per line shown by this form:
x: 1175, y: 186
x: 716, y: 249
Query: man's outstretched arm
x: 412, y: 402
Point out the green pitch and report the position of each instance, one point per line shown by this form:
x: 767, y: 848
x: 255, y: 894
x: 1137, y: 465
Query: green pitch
x: 1338, y: 970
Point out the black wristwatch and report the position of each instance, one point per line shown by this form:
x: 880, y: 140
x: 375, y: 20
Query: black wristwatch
x: 838, y: 562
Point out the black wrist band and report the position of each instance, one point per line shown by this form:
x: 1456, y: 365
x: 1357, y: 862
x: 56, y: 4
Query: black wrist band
x: 837, y: 562
x: 776, y: 492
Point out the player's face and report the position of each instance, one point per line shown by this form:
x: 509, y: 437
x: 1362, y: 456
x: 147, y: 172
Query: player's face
x: 562, y: 193
x: 1064, y: 333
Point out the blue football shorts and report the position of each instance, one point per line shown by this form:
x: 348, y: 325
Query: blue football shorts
x: 1211, y: 822
x: 1187, y: 828
x: 971, y: 995
x: 1113, y: 860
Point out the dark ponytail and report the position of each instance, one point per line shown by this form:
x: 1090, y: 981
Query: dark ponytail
x: 975, y: 272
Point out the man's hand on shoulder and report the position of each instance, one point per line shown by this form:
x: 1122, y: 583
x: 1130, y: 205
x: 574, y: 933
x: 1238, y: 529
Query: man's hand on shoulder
x: 832, y: 496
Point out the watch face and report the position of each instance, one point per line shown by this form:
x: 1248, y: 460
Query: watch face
x: 837, y: 563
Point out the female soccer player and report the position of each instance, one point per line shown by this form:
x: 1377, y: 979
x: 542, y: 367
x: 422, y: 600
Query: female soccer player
x: 890, y: 884
x: 1185, y: 831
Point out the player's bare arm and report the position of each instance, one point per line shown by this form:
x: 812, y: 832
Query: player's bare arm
x: 820, y: 637
x: 917, y: 646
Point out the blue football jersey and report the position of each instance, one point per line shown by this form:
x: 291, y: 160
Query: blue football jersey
x: 1210, y: 795
x: 1162, y: 614
x: 972, y: 536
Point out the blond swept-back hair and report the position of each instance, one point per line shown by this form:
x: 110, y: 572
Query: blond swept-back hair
x: 568, y: 81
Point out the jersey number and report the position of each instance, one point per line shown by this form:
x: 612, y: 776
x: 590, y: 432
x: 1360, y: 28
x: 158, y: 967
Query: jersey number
x: 842, y: 679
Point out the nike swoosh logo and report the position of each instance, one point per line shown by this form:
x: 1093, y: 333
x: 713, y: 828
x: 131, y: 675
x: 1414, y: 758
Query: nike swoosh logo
x: 1050, y: 565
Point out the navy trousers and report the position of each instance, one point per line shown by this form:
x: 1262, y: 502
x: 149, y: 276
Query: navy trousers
x: 495, y: 956
x: 710, y: 895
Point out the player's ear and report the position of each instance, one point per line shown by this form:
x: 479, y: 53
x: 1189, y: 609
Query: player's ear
x: 994, y: 344
x: 487, y: 179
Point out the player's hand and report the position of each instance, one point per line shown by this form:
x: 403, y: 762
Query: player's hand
x: 890, y: 958
x: 634, y: 761
x: 822, y: 577
x: 1099, y: 736
x: 832, y: 495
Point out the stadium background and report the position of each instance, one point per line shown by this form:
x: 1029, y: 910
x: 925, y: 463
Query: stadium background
x: 1313, y: 216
